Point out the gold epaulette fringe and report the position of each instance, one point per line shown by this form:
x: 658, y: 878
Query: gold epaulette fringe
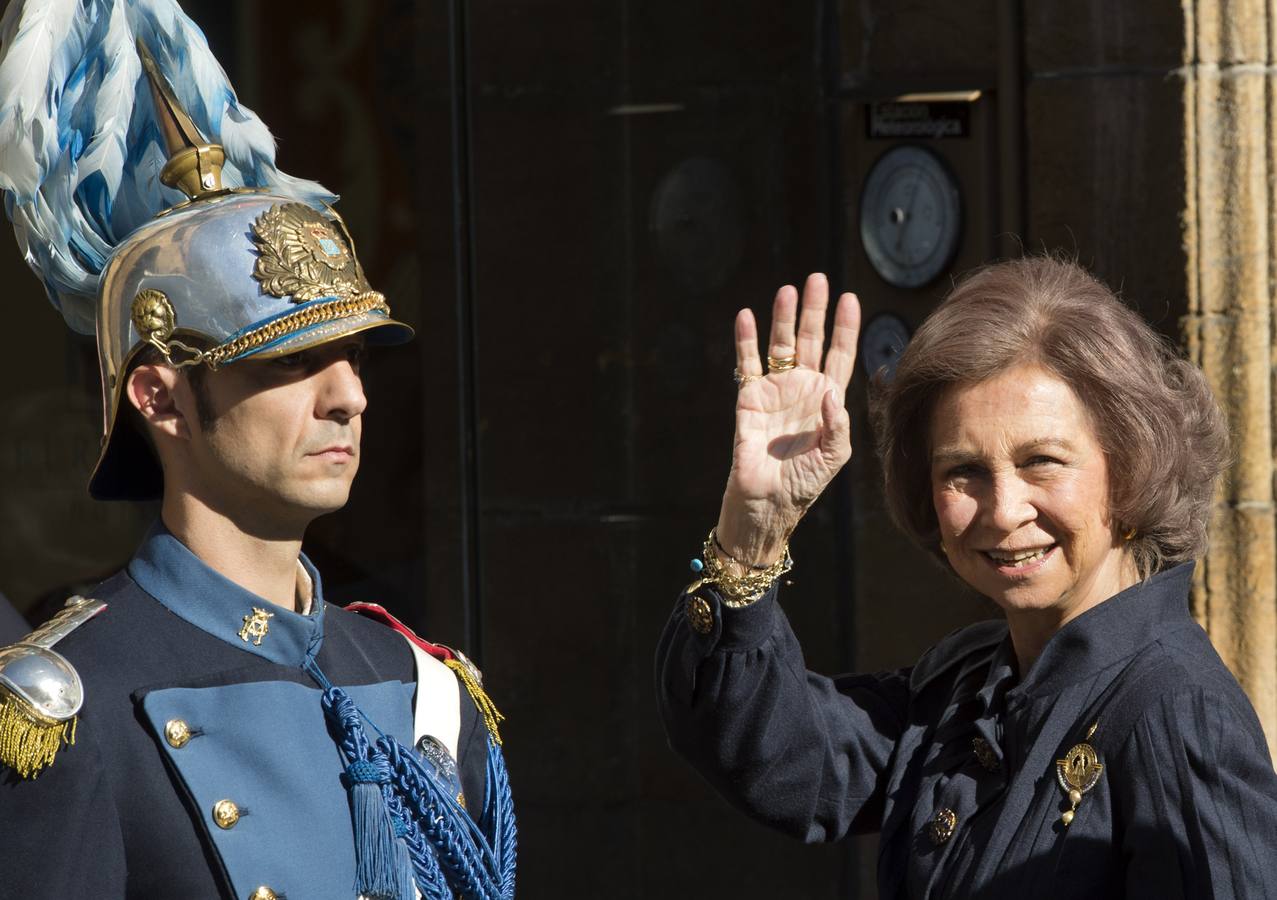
x: 28, y: 741
x: 491, y: 715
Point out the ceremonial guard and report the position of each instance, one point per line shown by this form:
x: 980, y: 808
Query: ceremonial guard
x: 203, y: 723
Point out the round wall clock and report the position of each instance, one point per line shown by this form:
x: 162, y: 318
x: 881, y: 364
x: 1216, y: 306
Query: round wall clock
x: 910, y: 216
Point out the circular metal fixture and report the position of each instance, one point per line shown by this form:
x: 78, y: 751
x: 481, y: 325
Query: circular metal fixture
x: 910, y: 216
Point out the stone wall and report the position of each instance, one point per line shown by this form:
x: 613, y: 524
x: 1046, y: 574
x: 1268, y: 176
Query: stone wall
x: 1227, y: 82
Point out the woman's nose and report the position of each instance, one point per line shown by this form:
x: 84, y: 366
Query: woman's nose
x: 1008, y: 505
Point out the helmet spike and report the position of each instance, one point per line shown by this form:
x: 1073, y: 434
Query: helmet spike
x: 194, y: 165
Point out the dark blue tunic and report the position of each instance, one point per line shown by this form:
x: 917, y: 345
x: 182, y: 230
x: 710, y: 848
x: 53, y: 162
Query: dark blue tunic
x: 123, y: 813
x: 955, y: 763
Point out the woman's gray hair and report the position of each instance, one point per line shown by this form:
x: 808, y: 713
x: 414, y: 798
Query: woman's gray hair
x: 1162, y: 432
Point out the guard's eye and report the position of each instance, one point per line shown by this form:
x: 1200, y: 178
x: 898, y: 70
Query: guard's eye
x: 356, y: 354
x: 290, y: 361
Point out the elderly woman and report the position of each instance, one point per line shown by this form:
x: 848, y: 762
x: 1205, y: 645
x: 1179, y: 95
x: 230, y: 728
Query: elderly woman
x: 1056, y: 455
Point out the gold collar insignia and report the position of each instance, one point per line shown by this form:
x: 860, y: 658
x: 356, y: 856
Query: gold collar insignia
x: 256, y: 625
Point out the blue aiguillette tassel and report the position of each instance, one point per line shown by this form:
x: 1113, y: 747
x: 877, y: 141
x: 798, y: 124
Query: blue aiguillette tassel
x: 379, y: 869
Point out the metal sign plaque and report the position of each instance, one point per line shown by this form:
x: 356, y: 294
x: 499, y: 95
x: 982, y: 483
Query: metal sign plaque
x: 895, y: 120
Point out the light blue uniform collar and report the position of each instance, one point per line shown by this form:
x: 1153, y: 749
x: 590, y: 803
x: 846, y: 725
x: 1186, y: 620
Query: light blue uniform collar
x: 173, y: 575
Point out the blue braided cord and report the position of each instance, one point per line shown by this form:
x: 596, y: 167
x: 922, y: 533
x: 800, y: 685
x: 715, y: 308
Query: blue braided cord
x: 367, y: 769
x: 504, y: 827
x: 439, y: 855
x: 343, y: 716
x: 431, y: 881
x: 344, y: 719
x: 363, y: 771
x: 318, y: 674
x: 464, y: 856
x: 401, y: 761
x: 468, y: 863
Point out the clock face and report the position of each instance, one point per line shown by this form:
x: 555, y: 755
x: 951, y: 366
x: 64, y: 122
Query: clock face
x: 910, y: 216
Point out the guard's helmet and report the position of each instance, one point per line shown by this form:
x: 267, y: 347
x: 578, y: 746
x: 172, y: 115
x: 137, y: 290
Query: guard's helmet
x: 261, y: 267
x: 227, y: 278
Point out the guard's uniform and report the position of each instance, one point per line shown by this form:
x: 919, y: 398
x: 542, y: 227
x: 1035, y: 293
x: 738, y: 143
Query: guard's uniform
x: 202, y: 765
x: 190, y: 739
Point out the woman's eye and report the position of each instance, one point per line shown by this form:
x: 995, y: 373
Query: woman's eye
x: 1043, y: 461
x: 964, y: 471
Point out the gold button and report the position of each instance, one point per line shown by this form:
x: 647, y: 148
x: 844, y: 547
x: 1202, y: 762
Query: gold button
x: 942, y: 827
x: 700, y: 615
x: 225, y: 813
x: 177, y: 733
x: 262, y: 893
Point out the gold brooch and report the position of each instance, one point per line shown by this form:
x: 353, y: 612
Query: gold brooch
x: 1077, y: 773
x: 301, y: 256
x: 984, y: 754
x: 256, y: 625
x: 942, y: 826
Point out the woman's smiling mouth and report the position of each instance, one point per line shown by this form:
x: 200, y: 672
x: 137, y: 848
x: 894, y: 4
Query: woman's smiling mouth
x: 1018, y: 561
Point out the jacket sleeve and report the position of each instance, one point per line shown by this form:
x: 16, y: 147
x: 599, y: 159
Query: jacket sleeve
x: 1199, y: 799
x: 59, y: 832
x: 797, y: 751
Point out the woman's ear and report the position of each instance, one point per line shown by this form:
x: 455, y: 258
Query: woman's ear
x: 153, y: 389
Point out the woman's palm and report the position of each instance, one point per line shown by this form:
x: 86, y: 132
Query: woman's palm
x: 778, y: 454
x: 792, y: 428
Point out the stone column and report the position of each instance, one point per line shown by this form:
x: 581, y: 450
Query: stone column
x: 1230, y: 145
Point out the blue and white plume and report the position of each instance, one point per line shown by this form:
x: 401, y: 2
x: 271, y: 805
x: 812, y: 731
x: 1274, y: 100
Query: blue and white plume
x: 80, y: 145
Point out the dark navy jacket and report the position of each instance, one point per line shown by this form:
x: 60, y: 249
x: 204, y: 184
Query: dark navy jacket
x: 955, y: 763
x: 124, y: 814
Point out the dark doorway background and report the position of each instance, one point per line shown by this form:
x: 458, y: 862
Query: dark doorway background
x: 569, y: 199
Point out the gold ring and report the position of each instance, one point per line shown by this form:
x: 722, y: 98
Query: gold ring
x: 781, y: 363
x: 741, y: 379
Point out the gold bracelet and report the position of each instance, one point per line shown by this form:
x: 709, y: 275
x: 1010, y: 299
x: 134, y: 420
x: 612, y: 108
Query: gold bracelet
x: 748, y: 587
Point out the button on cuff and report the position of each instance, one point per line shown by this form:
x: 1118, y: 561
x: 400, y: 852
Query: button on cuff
x: 700, y: 614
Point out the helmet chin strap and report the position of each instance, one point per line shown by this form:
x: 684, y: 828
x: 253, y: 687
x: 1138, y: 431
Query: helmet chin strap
x: 193, y: 355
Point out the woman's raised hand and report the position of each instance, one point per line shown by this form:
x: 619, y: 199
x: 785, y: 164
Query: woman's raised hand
x: 793, y: 433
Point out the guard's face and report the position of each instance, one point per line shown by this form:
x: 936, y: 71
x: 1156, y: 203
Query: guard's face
x: 283, y: 442
x: 1020, y: 486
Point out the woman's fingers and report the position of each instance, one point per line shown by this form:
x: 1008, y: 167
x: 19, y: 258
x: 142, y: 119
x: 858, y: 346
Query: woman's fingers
x: 835, y: 435
x: 747, y: 361
x: 841, y: 360
x: 784, y: 316
x: 811, y: 321
x: 801, y: 334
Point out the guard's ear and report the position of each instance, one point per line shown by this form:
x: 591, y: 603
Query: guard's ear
x: 154, y: 392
